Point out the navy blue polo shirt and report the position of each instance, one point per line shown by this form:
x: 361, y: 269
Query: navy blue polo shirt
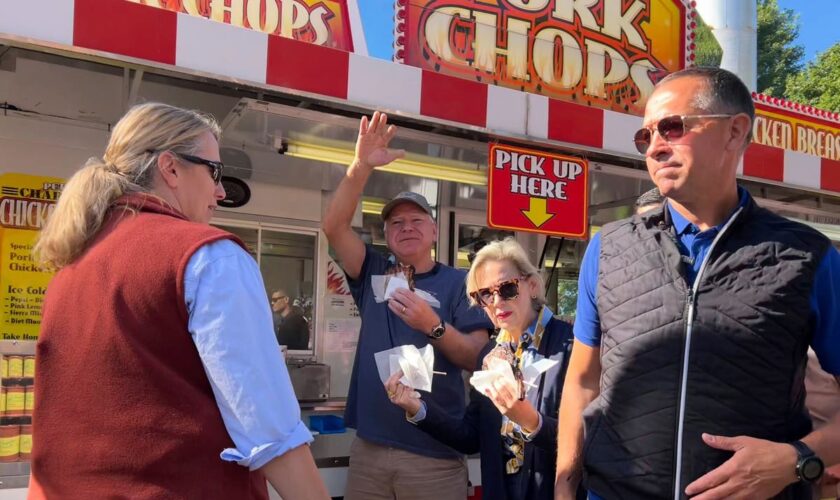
x: 369, y: 411
x: 695, y: 244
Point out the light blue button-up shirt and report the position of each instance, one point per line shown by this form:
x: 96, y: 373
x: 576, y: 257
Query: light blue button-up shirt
x: 231, y: 325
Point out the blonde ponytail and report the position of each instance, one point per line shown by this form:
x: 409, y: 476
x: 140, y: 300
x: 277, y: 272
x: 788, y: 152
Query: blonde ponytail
x: 127, y: 166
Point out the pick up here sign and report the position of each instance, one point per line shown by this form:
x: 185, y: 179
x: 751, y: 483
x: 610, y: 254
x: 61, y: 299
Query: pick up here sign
x: 539, y: 192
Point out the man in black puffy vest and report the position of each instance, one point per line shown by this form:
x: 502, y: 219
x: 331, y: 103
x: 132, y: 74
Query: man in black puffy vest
x: 693, y: 324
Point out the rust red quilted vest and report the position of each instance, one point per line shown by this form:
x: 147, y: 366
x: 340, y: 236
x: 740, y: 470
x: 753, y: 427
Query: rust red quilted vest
x: 124, y: 407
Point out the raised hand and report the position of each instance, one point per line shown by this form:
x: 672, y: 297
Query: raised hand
x: 372, y: 144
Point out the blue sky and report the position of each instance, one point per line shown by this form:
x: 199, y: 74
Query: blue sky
x: 818, y: 25
x: 378, y: 20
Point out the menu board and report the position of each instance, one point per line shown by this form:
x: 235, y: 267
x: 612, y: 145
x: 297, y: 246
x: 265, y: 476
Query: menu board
x: 25, y: 203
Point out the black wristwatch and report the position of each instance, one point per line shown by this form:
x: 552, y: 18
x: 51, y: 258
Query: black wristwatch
x: 438, y: 331
x: 809, y: 467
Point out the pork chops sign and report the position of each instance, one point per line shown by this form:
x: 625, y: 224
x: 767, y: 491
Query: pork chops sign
x: 322, y: 22
x: 604, y: 53
x: 537, y: 192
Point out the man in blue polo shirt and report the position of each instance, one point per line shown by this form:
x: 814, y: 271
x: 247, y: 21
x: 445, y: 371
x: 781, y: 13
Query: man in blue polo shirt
x: 392, y: 458
x: 693, y: 324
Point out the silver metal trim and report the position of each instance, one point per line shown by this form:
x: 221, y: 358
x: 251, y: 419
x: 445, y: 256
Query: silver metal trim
x: 687, y: 352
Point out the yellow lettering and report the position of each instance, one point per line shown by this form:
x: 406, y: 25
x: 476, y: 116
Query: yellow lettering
x: 547, y: 52
x: 830, y: 150
x: 812, y: 142
x: 486, y: 49
x: 322, y: 32
x: 640, y: 73
x: 529, y: 5
x: 776, y: 133
x: 437, y: 32
x: 544, y: 50
x: 565, y: 10
x: 760, y: 131
x: 596, y: 80
x: 191, y: 7
x: 295, y: 17
x: 485, y: 42
x: 272, y: 15
x: 517, y: 58
x: 801, y: 139
x: 235, y: 8
x: 787, y: 136
x: 617, y: 22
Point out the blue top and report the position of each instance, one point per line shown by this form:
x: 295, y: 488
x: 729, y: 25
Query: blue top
x: 695, y: 244
x: 231, y: 324
x: 369, y: 411
x: 479, y: 429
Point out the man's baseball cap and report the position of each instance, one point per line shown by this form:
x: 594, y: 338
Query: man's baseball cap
x: 406, y: 197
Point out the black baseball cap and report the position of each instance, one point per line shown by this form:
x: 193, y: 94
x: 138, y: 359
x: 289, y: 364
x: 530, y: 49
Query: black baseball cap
x: 406, y: 197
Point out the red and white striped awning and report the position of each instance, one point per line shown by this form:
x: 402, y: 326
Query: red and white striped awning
x: 198, y: 45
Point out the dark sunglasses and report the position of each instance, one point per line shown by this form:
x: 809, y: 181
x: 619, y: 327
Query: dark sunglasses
x: 275, y: 299
x: 217, y: 168
x: 670, y: 128
x: 507, y: 290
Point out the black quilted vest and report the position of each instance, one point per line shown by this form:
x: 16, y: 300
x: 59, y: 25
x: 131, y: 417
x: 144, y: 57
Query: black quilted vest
x: 725, y: 357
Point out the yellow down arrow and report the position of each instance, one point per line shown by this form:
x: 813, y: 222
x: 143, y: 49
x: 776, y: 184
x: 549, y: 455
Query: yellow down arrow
x: 538, y: 213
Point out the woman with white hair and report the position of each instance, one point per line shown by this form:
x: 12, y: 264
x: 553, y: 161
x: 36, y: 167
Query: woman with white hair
x: 512, y: 425
x: 158, y: 372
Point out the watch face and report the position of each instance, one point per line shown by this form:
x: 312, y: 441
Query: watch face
x: 812, y: 469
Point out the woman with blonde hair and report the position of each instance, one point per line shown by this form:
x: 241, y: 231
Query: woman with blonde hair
x: 158, y: 373
x: 512, y: 425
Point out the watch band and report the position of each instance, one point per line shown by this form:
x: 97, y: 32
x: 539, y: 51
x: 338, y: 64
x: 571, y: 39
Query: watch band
x: 438, y: 331
x: 806, y: 463
x: 802, y: 449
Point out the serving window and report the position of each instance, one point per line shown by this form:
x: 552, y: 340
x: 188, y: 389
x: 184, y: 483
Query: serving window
x: 287, y: 261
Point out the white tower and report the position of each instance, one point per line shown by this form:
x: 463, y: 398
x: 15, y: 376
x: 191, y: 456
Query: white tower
x: 734, y: 24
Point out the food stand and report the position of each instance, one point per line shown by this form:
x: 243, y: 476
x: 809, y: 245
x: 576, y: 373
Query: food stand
x: 288, y: 81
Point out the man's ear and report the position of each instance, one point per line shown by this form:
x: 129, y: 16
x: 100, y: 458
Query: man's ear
x: 168, y: 169
x: 739, y: 130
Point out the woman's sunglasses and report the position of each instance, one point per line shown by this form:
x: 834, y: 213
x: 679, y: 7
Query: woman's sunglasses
x: 217, y: 168
x: 670, y: 128
x: 507, y: 290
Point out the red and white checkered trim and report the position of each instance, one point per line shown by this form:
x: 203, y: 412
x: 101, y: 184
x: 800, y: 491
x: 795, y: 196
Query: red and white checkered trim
x: 238, y: 54
x: 803, y: 109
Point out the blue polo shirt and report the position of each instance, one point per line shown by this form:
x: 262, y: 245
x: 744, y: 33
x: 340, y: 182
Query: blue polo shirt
x: 695, y: 244
x: 369, y: 411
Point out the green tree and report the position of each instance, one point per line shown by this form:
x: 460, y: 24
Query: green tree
x: 707, y: 51
x: 778, y: 55
x: 819, y: 84
x: 567, y: 293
